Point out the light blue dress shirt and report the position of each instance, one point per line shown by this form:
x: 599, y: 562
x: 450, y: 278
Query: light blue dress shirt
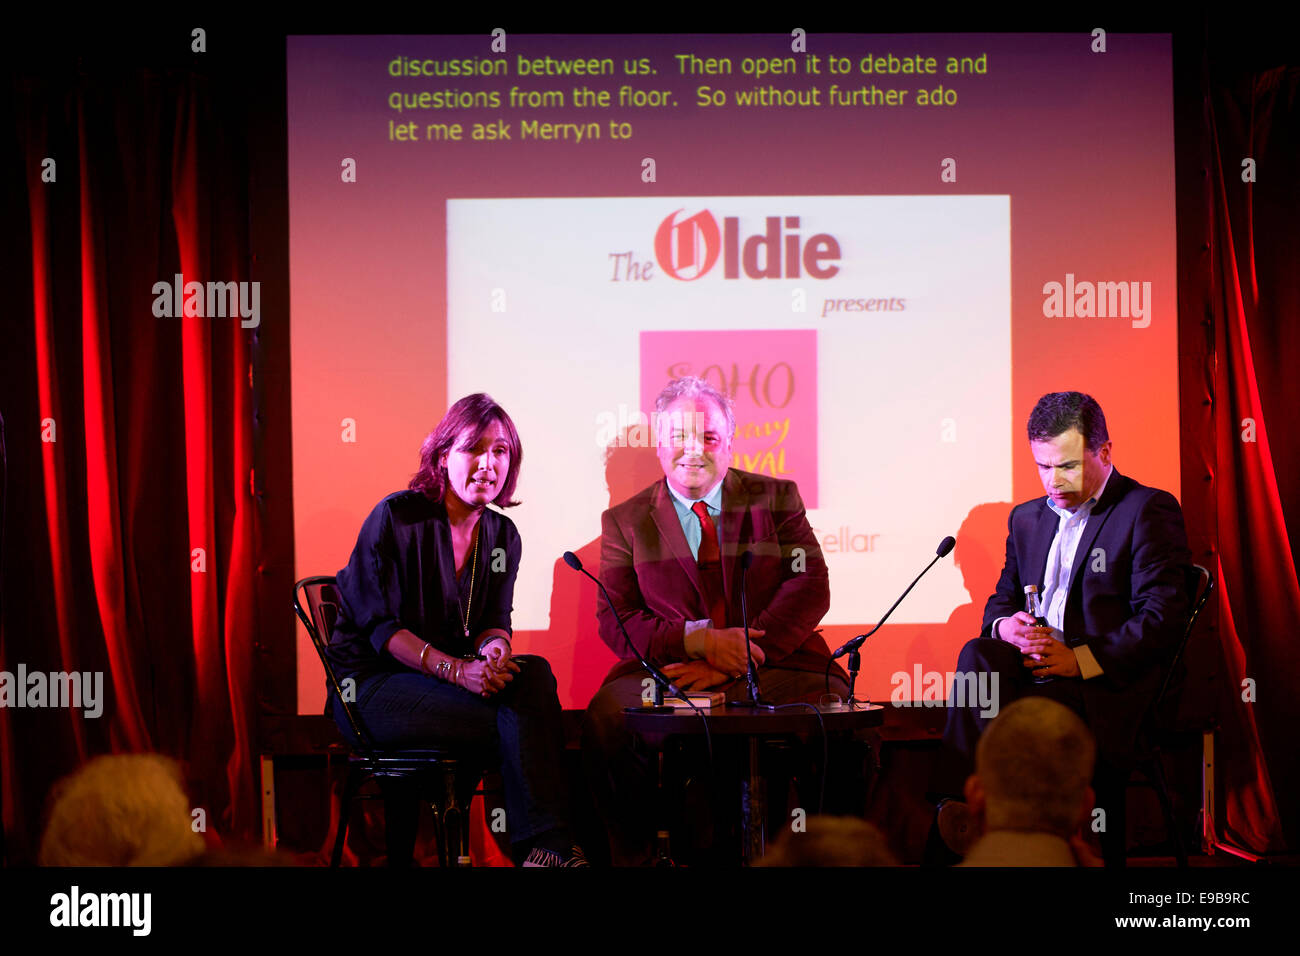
x: 691, y: 521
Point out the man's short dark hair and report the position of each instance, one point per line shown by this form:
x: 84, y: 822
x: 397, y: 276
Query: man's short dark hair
x: 1057, y: 412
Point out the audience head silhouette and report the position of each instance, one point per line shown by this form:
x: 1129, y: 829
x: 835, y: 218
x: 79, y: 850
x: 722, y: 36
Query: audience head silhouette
x: 121, y: 810
x: 831, y: 841
x: 1033, y: 769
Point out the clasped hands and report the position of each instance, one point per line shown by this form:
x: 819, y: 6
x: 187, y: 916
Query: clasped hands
x: 489, y: 676
x: 1043, y: 653
x: 717, y: 655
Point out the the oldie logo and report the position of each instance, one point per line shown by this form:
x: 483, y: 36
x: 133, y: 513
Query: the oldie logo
x: 687, y: 247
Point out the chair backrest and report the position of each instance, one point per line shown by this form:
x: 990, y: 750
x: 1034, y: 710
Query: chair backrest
x: 316, y: 601
x: 1199, y: 583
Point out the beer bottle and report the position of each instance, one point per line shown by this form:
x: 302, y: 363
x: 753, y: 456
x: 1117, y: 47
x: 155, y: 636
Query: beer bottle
x: 1034, y: 606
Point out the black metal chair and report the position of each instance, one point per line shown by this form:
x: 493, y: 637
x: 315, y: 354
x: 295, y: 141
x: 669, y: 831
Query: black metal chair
x: 433, y: 772
x: 1158, y: 733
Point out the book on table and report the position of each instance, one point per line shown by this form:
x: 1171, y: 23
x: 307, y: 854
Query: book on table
x: 702, y: 698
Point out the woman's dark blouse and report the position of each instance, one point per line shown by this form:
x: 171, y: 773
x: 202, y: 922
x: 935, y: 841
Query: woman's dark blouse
x: 402, y: 575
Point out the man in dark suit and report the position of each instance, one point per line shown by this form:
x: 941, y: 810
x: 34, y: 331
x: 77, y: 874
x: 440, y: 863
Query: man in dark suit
x: 1108, y: 557
x: 670, y: 558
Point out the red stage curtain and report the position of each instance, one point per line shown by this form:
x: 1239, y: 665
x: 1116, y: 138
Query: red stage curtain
x: 1255, y: 307
x: 133, y: 534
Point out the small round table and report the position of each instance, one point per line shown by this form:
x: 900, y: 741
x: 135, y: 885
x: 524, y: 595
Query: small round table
x: 655, y: 724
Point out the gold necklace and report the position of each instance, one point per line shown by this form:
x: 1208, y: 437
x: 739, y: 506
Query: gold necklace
x: 473, y: 568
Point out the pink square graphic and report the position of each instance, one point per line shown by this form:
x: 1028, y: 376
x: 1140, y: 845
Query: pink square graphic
x: 771, y: 377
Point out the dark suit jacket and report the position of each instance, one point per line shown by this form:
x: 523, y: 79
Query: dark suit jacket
x: 655, y: 584
x: 1127, y: 599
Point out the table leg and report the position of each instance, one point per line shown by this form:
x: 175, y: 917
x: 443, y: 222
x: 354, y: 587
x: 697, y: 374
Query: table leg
x: 663, y: 855
x: 753, y: 808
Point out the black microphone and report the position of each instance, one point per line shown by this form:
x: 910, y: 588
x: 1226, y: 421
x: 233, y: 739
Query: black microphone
x: 945, y: 546
x: 751, y: 673
x: 660, y: 677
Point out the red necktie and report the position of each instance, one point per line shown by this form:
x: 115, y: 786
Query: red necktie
x: 710, y: 564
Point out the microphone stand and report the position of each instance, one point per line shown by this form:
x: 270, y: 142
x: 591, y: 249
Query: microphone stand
x: 855, y: 664
x: 751, y: 673
x: 851, y: 647
x: 661, y: 681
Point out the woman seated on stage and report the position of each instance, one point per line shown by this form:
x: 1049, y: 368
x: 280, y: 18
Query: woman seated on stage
x: 424, y: 629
